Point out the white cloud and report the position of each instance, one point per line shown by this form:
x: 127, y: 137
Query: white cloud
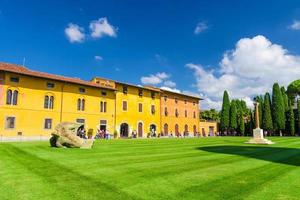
x: 248, y: 70
x: 98, y: 58
x: 170, y: 89
x: 154, y: 79
x: 169, y: 83
x: 295, y: 25
x: 75, y: 33
x: 101, y: 27
x: 201, y: 26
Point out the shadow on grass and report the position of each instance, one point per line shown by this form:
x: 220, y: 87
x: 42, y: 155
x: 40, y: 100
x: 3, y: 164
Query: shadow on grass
x: 288, y: 156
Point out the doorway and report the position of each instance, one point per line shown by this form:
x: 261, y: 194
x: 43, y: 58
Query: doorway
x: 140, y: 129
x: 124, y: 130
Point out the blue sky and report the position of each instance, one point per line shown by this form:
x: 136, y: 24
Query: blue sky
x: 158, y: 42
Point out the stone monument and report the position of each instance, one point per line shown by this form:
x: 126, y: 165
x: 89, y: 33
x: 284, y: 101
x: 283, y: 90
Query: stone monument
x: 258, y: 133
x: 66, y: 135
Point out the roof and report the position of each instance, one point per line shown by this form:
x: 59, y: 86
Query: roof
x: 130, y: 84
x: 7, y: 67
x: 181, y: 94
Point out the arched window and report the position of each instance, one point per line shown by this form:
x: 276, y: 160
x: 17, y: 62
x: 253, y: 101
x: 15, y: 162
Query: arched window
x: 82, y: 104
x: 15, y: 97
x: 176, y: 112
x: 12, y: 97
x: 51, y: 102
x: 46, y: 101
x: 166, y: 111
x: 195, y: 128
x: 186, y: 128
x: 79, y: 104
x: 8, y: 97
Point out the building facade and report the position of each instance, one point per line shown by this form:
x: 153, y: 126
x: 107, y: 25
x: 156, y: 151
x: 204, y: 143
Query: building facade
x: 180, y: 114
x: 32, y: 103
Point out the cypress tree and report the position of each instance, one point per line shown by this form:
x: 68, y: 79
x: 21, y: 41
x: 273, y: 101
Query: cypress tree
x: 291, y: 121
x: 233, y: 116
x: 224, y: 121
x: 278, y: 114
x: 298, y: 116
x: 285, y: 98
x: 241, y: 124
x: 267, y: 117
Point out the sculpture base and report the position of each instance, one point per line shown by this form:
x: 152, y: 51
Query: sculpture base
x: 258, y: 137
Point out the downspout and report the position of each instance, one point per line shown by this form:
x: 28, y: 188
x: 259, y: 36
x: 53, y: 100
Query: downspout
x: 115, y: 118
x: 61, y: 101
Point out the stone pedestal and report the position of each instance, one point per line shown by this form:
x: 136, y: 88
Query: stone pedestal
x: 258, y: 137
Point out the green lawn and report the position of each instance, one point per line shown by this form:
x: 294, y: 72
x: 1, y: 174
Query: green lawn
x: 204, y: 168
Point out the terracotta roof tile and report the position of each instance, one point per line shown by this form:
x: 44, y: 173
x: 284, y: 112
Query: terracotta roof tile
x: 25, y: 71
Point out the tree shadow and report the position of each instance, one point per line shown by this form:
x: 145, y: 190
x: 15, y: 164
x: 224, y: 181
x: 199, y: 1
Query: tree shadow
x: 288, y: 156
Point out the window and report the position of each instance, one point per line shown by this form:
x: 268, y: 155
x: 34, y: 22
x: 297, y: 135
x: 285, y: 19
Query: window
x: 10, y: 122
x: 12, y: 97
x: 103, y: 106
x: 8, y: 97
x: 153, y: 109
x: 125, y: 89
x: 194, y: 114
x: 140, y: 92
x: 185, y: 101
x: 176, y: 112
x: 185, y: 113
x: 153, y: 95
x: 166, y: 111
x: 176, y: 100
x: 50, y: 85
x: 81, y: 121
x: 124, y: 105
x: 48, y: 124
x: 165, y: 98
x: 194, y: 103
x: 15, y: 97
x: 48, y: 102
x: 14, y: 79
x: 81, y: 90
x: 140, y: 107
x: 103, y: 93
x: 80, y: 104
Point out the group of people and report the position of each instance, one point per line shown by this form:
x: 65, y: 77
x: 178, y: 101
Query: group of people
x: 102, y: 134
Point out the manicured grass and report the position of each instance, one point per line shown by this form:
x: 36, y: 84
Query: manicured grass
x: 204, y: 168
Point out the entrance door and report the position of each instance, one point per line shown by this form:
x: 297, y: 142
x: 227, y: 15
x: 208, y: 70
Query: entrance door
x: 153, y: 130
x: 211, y: 131
x: 176, y: 130
x: 166, y: 129
x: 124, y: 130
x: 140, y: 129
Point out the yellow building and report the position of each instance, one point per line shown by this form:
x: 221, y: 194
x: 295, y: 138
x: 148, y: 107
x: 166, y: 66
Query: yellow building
x: 32, y: 103
x: 180, y: 114
x: 209, y: 128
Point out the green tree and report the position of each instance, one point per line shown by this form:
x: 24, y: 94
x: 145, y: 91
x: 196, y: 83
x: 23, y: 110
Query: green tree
x: 298, y: 116
x: 278, y: 114
x: 241, y: 124
x: 211, y: 114
x: 233, y: 116
x: 224, y: 121
x: 267, y: 123
x: 290, y: 121
x: 285, y: 98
